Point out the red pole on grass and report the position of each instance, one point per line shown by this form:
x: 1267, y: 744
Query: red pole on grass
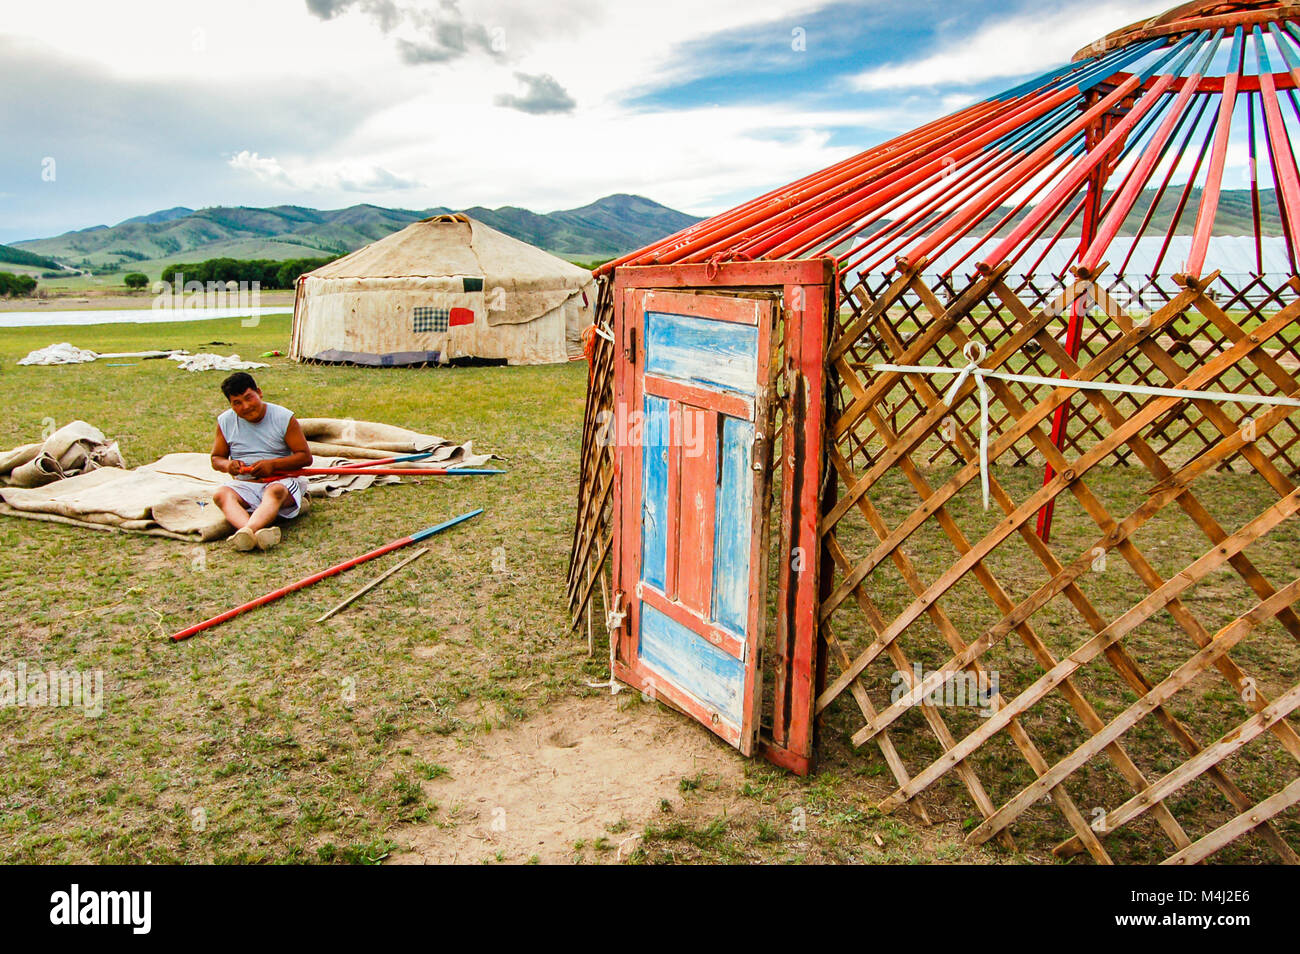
x: 399, y: 471
x: 317, y: 577
x: 383, y: 461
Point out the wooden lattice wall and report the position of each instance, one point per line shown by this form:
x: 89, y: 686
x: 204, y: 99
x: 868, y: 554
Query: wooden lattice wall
x: 591, y: 528
x: 1128, y: 688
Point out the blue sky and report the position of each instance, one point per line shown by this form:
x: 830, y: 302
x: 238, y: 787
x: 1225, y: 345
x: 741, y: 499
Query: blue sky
x: 115, y: 110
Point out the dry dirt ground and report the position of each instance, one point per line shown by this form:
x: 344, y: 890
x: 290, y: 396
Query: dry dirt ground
x: 601, y: 779
x: 586, y: 773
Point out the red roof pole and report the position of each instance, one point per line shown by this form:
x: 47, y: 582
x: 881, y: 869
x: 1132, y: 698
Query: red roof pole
x: 317, y: 577
x: 1074, y: 331
x: 1288, y: 181
x: 1218, y: 159
x: 1152, y: 153
x: 884, y: 165
x: 800, y: 234
x: 722, y: 230
x: 394, y: 471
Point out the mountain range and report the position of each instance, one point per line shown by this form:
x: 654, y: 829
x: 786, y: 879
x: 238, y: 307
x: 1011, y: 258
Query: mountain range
x: 604, y: 229
x: 1235, y: 215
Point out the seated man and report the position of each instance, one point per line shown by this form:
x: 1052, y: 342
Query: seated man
x: 256, y: 440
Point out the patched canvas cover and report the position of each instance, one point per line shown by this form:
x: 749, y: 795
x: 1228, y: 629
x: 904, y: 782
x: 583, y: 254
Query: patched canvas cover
x: 519, y: 282
x: 439, y: 290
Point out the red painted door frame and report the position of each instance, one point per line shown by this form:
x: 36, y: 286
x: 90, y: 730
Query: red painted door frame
x: 809, y: 298
x: 686, y: 594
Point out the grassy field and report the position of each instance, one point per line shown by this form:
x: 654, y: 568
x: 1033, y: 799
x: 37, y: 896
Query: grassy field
x: 271, y: 739
x: 252, y: 728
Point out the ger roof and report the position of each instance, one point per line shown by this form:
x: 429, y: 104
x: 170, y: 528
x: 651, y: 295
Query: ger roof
x: 1125, y: 144
x: 455, y: 245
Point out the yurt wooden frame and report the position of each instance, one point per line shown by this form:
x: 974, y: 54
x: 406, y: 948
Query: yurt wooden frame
x: 1086, y: 733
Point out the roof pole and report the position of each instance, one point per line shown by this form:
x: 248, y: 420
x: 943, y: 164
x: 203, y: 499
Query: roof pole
x: 1218, y: 159
x: 1079, y: 307
x: 323, y: 574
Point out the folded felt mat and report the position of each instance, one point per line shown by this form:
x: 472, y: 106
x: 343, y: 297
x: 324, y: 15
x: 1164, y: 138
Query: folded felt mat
x: 172, y: 497
x: 367, y: 439
x: 214, y: 362
x: 72, y: 449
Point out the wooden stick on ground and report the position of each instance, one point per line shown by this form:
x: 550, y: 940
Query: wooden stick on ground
x: 373, y: 583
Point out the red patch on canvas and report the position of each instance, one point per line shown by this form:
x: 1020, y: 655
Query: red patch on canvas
x: 461, y: 316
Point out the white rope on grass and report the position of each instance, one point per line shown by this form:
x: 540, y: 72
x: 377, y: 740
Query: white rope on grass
x: 975, y: 353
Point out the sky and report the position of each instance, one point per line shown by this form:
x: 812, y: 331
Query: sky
x: 114, y: 110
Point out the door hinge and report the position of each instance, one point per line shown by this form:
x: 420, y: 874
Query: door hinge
x: 629, y: 353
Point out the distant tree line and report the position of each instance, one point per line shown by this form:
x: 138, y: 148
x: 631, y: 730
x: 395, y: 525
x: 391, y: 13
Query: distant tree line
x: 12, y: 285
x: 18, y: 256
x: 269, y: 273
x: 129, y: 254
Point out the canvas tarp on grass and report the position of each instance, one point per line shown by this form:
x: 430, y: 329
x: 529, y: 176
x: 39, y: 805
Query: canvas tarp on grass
x: 70, y: 450
x: 172, y: 497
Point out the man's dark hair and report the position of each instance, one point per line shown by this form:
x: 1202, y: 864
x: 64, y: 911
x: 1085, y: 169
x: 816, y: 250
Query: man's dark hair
x: 237, y: 384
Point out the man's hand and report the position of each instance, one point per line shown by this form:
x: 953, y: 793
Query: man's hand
x: 263, y: 468
x: 234, y: 467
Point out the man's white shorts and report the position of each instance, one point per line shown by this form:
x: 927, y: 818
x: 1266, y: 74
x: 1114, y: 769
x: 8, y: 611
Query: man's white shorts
x: 251, y: 492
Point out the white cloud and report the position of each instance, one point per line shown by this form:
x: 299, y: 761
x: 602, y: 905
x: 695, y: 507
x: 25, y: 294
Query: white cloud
x: 1029, y: 43
x: 343, y: 177
x: 441, y: 123
x: 432, y: 133
x: 267, y: 169
x: 955, y: 101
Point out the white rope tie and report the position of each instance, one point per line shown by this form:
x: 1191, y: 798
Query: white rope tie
x: 613, y: 622
x: 975, y: 353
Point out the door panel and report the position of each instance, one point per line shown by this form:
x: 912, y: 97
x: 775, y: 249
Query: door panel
x: 697, y: 484
x: 676, y: 653
x: 655, y: 515
x: 699, y: 376
x: 706, y: 352
x: 735, y: 508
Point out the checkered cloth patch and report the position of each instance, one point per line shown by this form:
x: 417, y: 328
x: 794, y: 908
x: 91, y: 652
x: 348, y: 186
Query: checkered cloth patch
x: 430, y: 319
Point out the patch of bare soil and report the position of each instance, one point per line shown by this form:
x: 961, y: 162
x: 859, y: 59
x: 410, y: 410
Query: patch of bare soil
x: 584, y: 770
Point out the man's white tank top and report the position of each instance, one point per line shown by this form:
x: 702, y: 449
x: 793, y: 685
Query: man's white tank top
x: 250, y: 442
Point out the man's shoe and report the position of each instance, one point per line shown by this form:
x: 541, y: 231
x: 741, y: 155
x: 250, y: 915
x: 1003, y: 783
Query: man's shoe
x: 267, y: 537
x: 243, y: 540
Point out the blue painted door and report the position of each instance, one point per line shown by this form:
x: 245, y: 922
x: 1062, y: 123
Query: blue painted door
x: 693, y: 392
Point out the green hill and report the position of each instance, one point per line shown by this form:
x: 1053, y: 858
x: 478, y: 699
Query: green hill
x: 1234, y: 217
x: 163, y: 215
x: 604, y: 229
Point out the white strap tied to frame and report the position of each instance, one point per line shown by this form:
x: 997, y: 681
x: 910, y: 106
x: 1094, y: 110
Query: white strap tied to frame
x: 975, y: 352
x: 614, y: 618
x: 613, y: 621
